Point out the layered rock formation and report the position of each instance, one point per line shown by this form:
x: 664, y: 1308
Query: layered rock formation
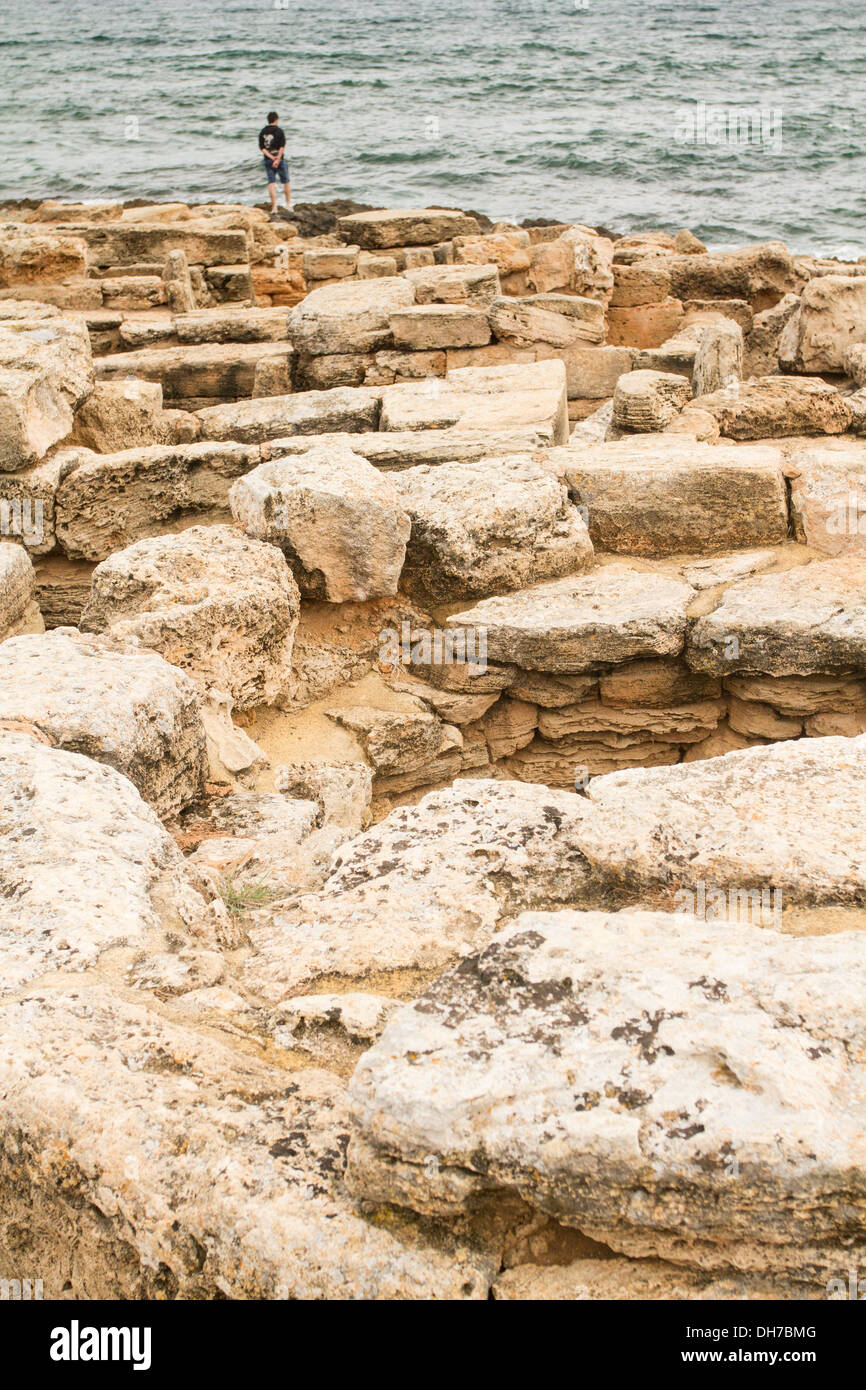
x: 453, y: 695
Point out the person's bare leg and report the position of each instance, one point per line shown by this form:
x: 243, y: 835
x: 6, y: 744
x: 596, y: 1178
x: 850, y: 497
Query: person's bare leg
x: 272, y: 190
x: 287, y: 190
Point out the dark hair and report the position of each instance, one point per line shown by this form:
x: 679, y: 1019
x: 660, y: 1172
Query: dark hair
x: 272, y: 116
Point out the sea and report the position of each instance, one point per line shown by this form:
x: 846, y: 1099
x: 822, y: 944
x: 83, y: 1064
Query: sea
x: 742, y: 121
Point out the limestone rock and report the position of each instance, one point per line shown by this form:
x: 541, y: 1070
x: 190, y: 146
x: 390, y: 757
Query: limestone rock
x: 778, y: 405
x: 656, y: 684
x: 787, y: 815
x: 525, y: 322
x: 802, y: 695
x: 476, y: 285
x: 796, y: 623
x: 427, y: 884
x: 86, y: 865
x: 646, y: 401
x: 621, y: 1280
x: 828, y: 499
x: 719, y: 359
x: 224, y: 324
x: 489, y: 527
x: 354, y: 317
x: 107, y: 501
x: 122, y: 706
x: 405, y: 227
x: 306, y: 412
x: 426, y: 327
x: 19, y: 610
x: 338, y: 520
x: 221, y: 607
x: 119, y: 416
x: 596, y: 1063
x: 832, y: 318
x: 46, y: 372
x: 661, y: 494
x: 575, y: 625
x: 763, y: 338
x: 342, y: 791
x: 28, y: 258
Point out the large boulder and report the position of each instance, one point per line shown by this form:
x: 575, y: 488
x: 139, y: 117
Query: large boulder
x: 476, y: 285
x: 34, y: 258
x: 662, y: 494
x: 828, y: 497
x: 798, y: 622
x: 405, y: 227
x: 773, y: 406
x: 719, y: 358
x: 832, y: 318
x: 107, y: 501
x: 428, y: 883
x: 602, y: 1065
x: 46, y: 372
x: 489, y: 527
x: 339, y: 521
x: 352, y: 317
x: 579, y: 624
x: 128, y: 1080
x: 123, y: 706
x: 344, y: 409
x: 220, y: 606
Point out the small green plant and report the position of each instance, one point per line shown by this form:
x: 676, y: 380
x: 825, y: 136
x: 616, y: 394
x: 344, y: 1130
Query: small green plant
x: 247, y: 896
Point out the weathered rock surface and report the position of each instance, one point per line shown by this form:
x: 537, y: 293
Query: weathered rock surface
x: 796, y: 623
x: 46, y: 371
x: 661, y: 495
x: 832, y: 318
x: 645, y: 401
x: 120, y: 705
x: 476, y: 285
x: 719, y: 358
x: 221, y: 607
x: 343, y: 409
x: 409, y: 227
x: 19, y: 610
x: 427, y: 884
x: 578, y: 624
x: 601, y: 1065
x: 107, y: 501
x: 339, y: 521
x: 778, y: 405
x: 489, y: 527
x: 354, y: 317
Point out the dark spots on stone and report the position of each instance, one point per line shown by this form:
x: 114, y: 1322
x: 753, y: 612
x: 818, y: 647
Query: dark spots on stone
x: 686, y: 1131
x: 821, y: 1050
x: 551, y: 814
x: 643, y: 1033
x: 291, y: 1146
x: 712, y: 989
x: 587, y: 1100
x: 633, y: 1099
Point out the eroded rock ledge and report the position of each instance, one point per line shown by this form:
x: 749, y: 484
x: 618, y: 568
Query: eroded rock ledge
x: 432, y: 783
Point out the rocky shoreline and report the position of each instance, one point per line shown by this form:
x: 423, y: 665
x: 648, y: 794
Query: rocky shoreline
x: 432, y: 733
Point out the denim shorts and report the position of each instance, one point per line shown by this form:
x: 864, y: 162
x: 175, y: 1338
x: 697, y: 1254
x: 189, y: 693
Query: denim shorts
x: 281, y: 172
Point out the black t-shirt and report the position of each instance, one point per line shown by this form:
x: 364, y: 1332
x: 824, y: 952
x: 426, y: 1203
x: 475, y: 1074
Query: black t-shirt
x: 271, y: 139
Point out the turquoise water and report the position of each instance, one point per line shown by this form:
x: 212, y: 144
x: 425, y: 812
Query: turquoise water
x: 520, y: 108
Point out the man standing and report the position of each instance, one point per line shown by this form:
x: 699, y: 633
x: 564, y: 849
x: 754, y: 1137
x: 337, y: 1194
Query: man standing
x: 272, y: 143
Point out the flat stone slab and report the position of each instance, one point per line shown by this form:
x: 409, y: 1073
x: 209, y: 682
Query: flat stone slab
x: 428, y: 326
x: 221, y: 607
x: 483, y: 398
x: 789, y: 816
x: 773, y: 406
x: 832, y: 317
x: 405, y: 227
x: 339, y: 521
x: 108, y: 501
x: 424, y: 886
x: 799, y: 622
x: 828, y: 497
x: 350, y: 317
x: 344, y: 409
x: 663, y: 495
x: 225, y: 325
x: 118, y: 704
x: 599, y: 1065
x: 489, y: 527
x: 476, y: 285
x: 396, y: 449
x: 583, y: 623
x: 197, y: 371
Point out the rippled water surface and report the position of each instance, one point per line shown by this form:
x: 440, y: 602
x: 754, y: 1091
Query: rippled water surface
x: 568, y: 108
